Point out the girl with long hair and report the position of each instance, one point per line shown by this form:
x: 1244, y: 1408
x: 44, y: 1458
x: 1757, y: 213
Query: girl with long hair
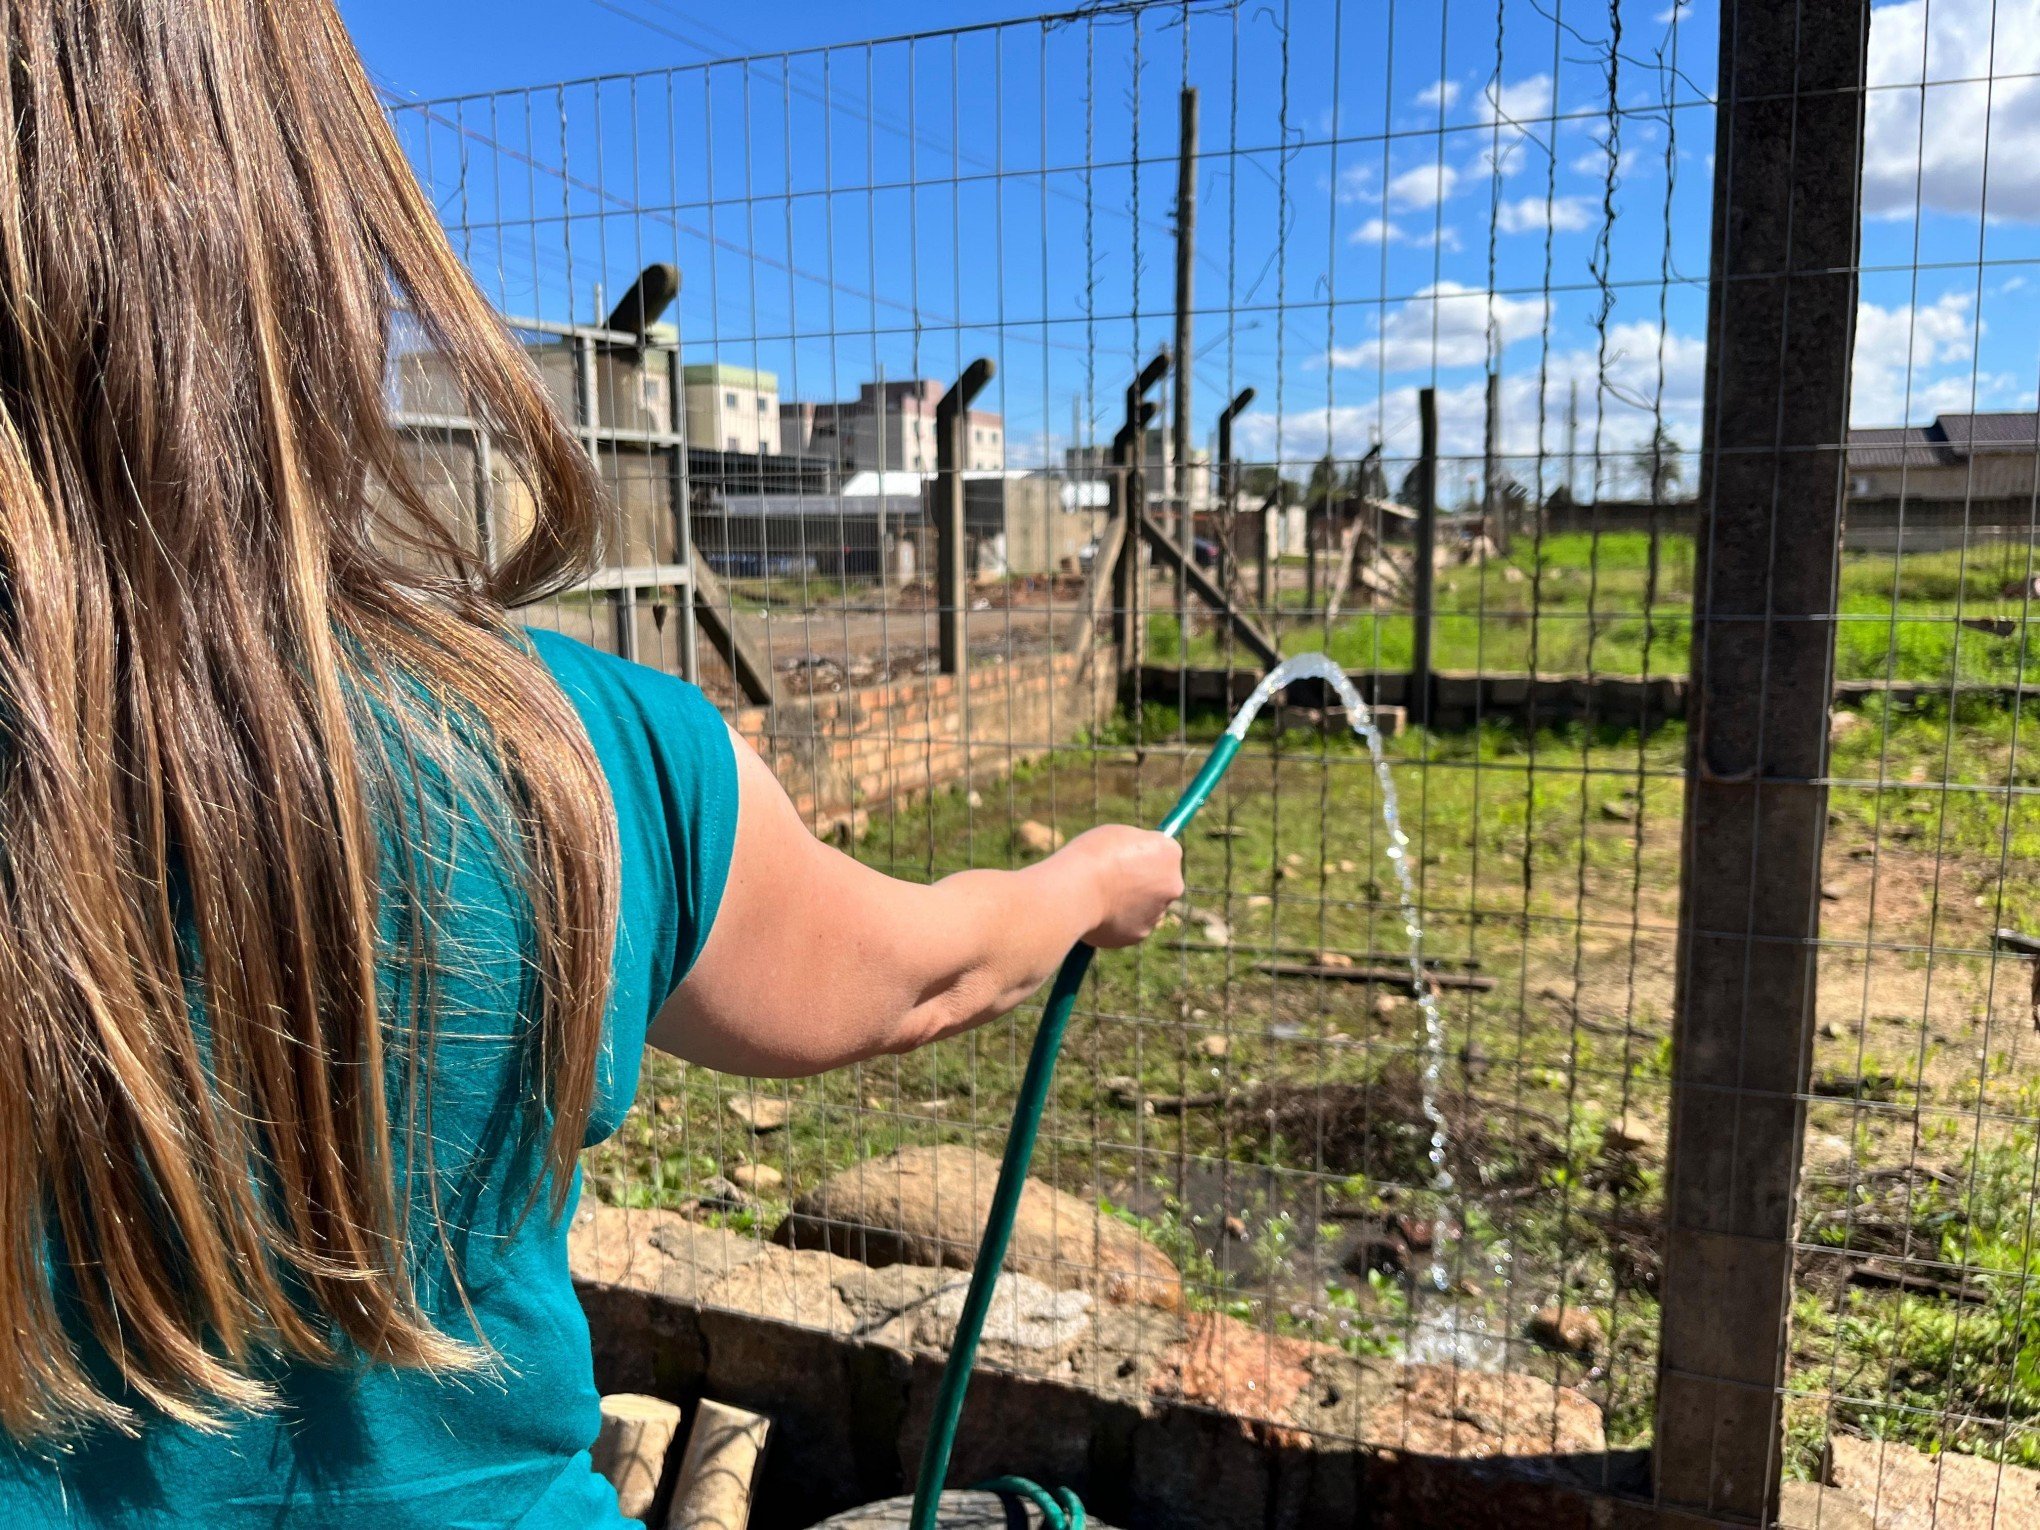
x: 336, y: 910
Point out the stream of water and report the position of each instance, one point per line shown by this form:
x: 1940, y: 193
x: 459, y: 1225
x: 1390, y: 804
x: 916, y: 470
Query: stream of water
x: 1437, y: 1334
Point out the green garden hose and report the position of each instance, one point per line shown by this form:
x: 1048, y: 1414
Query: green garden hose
x: 1061, y: 1509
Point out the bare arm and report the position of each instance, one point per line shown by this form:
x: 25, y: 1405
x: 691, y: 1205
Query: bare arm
x: 817, y: 960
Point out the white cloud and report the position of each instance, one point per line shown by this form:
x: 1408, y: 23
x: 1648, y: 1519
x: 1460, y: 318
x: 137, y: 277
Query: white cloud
x: 1913, y: 362
x: 1423, y: 185
x: 1594, y: 161
x: 1519, y: 112
x: 1672, y: 13
x: 1941, y: 163
x: 1377, y: 231
x: 1443, y: 326
x: 1532, y: 215
x: 1443, y: 93
x: 1356, y: 183
x: 1525, y: 103
x: 1619, y: 399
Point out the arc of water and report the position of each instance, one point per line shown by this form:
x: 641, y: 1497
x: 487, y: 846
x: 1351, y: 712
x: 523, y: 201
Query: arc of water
x: 1317, y: 666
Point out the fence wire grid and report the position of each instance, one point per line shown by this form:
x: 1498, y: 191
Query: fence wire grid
x: 1442, y: 348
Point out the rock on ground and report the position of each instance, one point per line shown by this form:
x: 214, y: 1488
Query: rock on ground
x: 1900, y: 1488
x: 760, y: 1112
x: 1235, y: 1368
x: 797, y: 1286
x: 1572, y: 1330
x: 1029, y: 1327
x: 1809, y: 1506
x: 658, y: 1251
x: 1441, y: 1410
x: 1037, y: 838
x: 928, y: 1205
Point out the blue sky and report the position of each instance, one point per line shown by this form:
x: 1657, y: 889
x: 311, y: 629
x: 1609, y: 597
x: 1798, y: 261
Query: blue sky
x: 1387, y: 198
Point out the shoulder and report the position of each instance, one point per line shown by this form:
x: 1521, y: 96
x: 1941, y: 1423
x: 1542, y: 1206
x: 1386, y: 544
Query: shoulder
x: 587, y: 674
x: 624, y: 704
x: 671, y: 768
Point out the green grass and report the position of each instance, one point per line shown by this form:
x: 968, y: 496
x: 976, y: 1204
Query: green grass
x: 1933, y: 1372
x: 1596, y: 605
x: 1552, y: 860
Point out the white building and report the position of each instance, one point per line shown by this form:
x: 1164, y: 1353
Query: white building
x: 732, y: 409
x: 890, y: 427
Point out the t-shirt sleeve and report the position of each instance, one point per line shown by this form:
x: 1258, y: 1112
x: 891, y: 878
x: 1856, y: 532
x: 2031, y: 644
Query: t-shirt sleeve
x: 672, y: 774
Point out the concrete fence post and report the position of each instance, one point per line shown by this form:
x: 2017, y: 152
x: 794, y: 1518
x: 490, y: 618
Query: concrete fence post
x: 1424, y: 556
x: 1781, y: 312
x: 952, y: 418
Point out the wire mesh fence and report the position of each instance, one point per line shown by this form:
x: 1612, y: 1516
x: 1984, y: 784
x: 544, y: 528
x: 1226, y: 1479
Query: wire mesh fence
x: 1407, y: 333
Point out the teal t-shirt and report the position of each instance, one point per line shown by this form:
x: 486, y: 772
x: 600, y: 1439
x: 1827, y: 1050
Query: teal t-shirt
x: 507, y: 1446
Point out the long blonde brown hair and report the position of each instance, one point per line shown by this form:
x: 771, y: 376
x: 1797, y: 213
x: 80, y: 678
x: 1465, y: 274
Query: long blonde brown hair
x: 211, y: 547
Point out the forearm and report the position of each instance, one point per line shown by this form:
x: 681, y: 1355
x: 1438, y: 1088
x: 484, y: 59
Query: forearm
x: 893, y: 966
x: 1003, y: 934
x: 815, y: 960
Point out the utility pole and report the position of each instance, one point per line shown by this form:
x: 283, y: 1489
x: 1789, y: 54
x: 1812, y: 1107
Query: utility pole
x: 885, y: 568
x: 1572, y: 442
x: 1179, y: 430
x: 1494, y: 507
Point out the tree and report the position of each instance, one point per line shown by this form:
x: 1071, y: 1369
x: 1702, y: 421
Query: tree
x: 1412, y: 485
x: 1659, y: 466
x: 1259, y: 480
x: 1324, y: 479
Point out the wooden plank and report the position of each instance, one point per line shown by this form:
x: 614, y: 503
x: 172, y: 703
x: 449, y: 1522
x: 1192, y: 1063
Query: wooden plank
x: 748, y: 664
x: 1389, y: 976
x: 1342, y: 576
x: 1252, y: 637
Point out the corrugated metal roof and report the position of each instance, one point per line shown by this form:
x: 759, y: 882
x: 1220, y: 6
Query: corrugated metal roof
x: 1947, y: 442
x: 2006, y: 431
x: 1896, y: 447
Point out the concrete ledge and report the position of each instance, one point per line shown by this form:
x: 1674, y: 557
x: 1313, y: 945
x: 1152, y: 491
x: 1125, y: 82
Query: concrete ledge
x: 850, y: 1410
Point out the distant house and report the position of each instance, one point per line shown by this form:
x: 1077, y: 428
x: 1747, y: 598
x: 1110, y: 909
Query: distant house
x: 1979, y: 472
x: 1959, y: 455
x: 1015, y: 522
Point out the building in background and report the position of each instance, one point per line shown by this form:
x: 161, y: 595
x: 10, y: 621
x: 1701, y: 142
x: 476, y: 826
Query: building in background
x: 1964, y: 477
x: 1016, y: 523
x: 890, y: 427
x: 1959, y: 456
x: 732, y: 409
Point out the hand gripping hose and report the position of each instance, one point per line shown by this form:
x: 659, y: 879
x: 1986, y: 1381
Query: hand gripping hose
x: 1061, y: 1509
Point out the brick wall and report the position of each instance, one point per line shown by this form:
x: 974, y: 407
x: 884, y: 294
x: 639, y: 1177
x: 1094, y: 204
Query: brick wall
x: 840, y: 756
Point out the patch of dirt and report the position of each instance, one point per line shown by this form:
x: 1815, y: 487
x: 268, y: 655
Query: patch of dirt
x: 1380, y: 1129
